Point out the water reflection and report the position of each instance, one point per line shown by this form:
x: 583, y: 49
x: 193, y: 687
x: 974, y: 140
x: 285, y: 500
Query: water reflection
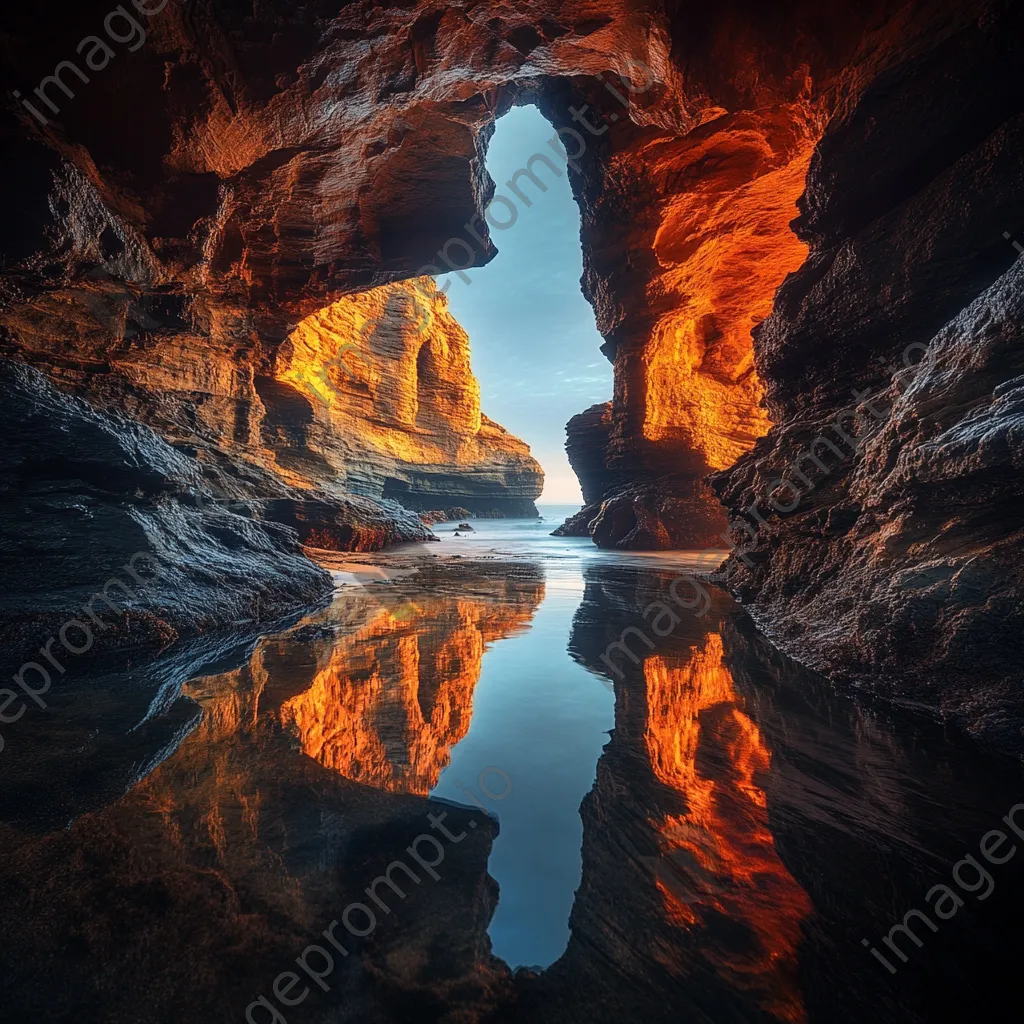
x: 544, y: 720
x: 718, y: 857
x: 741, y: 829
x: 389, y: 699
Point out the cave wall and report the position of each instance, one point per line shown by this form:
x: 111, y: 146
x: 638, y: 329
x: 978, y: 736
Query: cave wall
x: 214, y: 209
x: 229, y: 175
x: 893, y: 556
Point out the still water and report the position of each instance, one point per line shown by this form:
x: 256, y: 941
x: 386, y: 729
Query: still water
x: 706, y: 833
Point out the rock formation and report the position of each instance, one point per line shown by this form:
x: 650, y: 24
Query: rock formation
x: 222, y: 233
x: 395, y: 407
x: 205, y: 217
x: 889, y: 546
x: 106, y: 527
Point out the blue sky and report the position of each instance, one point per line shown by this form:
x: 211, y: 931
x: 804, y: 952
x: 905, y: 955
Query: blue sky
x: 535, y: 347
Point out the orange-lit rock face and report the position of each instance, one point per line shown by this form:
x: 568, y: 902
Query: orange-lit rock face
x: 388, y: 372
x: 706, y: 219
x: 719, y: 857
x: 390, y: 701
x: 723, y: 247
x: 716, y: 218
x: 276, y: 169
x: 279, y: 170
x: 373, y: 395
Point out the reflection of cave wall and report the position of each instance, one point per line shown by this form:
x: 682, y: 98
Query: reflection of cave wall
x: 748, y: 826
x: 190, y: 894
x: 735, y: 789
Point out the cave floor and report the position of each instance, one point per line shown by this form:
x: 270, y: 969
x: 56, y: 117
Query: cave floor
x: 687, y: 826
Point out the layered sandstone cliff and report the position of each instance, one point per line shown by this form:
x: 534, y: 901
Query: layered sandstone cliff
x: 395, y: 407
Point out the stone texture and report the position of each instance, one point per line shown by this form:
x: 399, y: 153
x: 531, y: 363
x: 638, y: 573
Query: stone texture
x: 189, y: 210
x: 396, y: 408
x: 899, y: 565
x: 184, y: 212
x: 98, y: 512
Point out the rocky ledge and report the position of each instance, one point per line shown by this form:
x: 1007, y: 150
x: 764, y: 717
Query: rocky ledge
x: 109, y: 537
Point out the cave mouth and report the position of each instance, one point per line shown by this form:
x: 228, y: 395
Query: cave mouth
x: 535, y: 343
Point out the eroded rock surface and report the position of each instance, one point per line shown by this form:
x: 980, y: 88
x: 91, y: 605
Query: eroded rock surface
x: 205, y: 222
x: 895, y: 558
x: 99, y: 513
x: 395, y: 408
x: 185, y: 210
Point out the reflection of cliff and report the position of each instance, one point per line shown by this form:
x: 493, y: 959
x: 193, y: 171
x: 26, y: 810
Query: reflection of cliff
x: 682, y: 888
x: 188, y: 895
x: 388, y: 703
x: 185, y: 898
x: 718, y: 857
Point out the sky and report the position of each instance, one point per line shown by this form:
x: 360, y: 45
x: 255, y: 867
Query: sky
x: 534, y: 344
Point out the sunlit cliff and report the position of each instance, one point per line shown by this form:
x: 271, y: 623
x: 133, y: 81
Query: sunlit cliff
x: 395, y: 403
x: 712, y: 218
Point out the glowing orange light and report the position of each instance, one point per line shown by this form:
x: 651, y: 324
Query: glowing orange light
x: 394, y: 698
x: 720, y: 857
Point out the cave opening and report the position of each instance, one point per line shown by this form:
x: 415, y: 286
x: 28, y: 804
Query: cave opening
x: 535, y: 343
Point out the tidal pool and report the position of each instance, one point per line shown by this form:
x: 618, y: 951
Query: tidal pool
x: 709, y: 833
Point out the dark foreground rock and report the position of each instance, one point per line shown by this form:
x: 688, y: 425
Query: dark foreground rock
x: 105, y: 524
x: 895, y: 555
x: 347, y: 523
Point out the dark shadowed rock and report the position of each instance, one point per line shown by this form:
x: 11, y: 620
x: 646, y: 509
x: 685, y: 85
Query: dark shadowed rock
x: 897, y: 560
x: 90, y: 499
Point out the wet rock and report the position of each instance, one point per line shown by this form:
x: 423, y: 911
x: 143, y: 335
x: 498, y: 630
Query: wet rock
x: 84, y: 494
x: 347, y: 523
x: 443, y: 515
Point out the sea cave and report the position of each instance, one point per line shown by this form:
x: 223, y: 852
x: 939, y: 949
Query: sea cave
x: 686, y: 686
